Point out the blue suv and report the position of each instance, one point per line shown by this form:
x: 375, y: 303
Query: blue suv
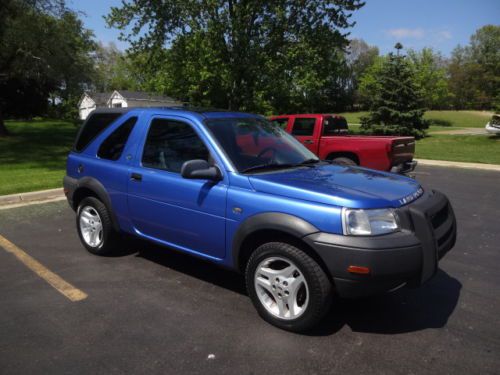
x: 238, y: 191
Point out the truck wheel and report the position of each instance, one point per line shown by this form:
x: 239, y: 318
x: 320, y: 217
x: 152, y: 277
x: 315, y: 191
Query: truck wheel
x: 287, y: 287
x: 344, y: 161
x: 94, y: 227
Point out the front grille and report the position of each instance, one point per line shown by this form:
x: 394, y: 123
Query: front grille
x: 440, y: 217
x: 433, y: 223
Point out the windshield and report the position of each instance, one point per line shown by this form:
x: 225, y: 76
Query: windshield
x: 254, y: 143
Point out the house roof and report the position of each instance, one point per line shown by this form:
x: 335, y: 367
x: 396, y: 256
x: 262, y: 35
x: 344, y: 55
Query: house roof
x: 99, y: 98
x: 140, y: 95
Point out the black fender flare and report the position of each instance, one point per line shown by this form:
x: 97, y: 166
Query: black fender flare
x: 278, y: 221
x: 100, y: 191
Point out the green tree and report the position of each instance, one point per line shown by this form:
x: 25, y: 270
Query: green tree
x: 474, y: 71
x: 114, y: 69
x: 45, y: 55
x: 247, y: 55
x: 396, y: 104
x: 369, y: 83
x: 360, y: 57
x: 431, y: 77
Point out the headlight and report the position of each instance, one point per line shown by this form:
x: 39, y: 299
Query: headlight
x: 359, y: 222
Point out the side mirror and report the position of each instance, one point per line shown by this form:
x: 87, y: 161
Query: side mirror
x: 200, y: 169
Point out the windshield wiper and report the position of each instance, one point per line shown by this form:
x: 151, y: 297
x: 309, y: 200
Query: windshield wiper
x: 305, y: 163
x: 308, y: 161
x: 267, y: 166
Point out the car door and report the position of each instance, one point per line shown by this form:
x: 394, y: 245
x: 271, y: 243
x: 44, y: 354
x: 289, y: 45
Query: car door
x: 306, y: 130
x: 184, y: 213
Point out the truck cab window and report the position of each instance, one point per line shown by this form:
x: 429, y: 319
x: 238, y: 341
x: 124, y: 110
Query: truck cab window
x: 334, y: 126
x: 303, y: 126
x: 281, y: 122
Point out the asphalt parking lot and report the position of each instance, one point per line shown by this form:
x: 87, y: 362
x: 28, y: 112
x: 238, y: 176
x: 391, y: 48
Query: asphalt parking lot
x: 155, y: 311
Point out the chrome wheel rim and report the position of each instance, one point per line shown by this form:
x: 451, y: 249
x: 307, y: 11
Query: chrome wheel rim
x: 91, y: 226
x: 281, y: 288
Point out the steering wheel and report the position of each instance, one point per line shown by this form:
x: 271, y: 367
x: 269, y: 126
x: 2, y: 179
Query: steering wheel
x: 267, y: 149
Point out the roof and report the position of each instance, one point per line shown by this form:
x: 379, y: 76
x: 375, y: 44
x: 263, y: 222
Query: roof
x: 189, y: 111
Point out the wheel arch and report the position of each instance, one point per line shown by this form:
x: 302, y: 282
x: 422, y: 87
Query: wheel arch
x: 90, y: 187
x: 344, y: 154
x: 271, y: 227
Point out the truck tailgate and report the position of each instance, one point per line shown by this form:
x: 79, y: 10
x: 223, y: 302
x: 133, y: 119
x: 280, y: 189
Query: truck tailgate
x: 402, y: 149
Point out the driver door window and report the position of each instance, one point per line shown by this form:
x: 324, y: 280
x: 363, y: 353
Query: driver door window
x: 171, y: 143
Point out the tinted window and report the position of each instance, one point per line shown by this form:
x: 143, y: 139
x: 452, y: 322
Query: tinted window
x: 281, y: 122
x: 93, y: 127
x: 303, y: 126
x: 170, y: 143
x: 113, y: 146
x: 334, y: 126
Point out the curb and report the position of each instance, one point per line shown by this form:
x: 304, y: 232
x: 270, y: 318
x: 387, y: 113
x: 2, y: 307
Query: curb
x: 35, y: 196
x: 457, y: 164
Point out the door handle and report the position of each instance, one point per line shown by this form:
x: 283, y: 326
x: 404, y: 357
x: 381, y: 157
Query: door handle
x: 136, y: 177
x: 308, y: 142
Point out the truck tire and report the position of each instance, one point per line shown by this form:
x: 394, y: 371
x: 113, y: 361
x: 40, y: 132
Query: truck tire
x: 287, y: 287
x: 94, y: 226
x: 342, y: 160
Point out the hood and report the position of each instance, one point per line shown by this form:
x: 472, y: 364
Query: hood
x: 341, y: 186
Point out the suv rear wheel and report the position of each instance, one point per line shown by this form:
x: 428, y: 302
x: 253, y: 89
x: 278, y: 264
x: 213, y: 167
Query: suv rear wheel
x: 94, y: 227
x: 287, y: 287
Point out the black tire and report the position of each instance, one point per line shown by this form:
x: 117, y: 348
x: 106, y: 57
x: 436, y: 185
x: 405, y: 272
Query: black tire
x: 318, y: 285
x: 110, y: 239
x: 343, y: 160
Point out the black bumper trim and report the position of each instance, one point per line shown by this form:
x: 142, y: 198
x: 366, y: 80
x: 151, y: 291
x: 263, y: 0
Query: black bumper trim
x: 407, y: 257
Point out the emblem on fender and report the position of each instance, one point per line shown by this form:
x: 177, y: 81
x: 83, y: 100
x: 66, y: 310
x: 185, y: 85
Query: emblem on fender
x: 411, y: 197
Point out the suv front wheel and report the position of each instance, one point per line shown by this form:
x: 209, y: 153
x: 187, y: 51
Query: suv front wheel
x: 287, y: 287
x: 95, y: 228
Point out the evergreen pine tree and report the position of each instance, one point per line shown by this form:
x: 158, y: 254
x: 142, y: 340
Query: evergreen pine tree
x: 396, y: 108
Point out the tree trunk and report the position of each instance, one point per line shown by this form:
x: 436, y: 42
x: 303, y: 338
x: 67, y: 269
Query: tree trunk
x: 3, y: 130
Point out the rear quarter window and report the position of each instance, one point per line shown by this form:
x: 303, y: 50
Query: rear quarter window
x: 114, y: 144
x: 334, y: 126
x: 96, y: 123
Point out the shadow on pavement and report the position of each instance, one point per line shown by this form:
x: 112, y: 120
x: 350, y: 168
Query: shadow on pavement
x: 406, y: 310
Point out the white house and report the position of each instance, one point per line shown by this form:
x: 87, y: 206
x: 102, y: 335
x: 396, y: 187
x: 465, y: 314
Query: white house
x: 91, y: 101
x: 122, y: 98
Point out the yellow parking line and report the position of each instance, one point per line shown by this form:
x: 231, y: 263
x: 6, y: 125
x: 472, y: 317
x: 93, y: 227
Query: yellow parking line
x: 62, y: 286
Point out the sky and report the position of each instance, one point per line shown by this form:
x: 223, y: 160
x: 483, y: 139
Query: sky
x: 440, y: 24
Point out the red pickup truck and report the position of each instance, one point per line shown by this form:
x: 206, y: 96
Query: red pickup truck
x: 327, y: 136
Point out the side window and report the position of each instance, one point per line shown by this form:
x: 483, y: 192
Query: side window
x: 281, y: 122
x: 113, y: 146
x: 303, y: 126
x: 334, y: 126
x: 170, y: 143
x: 93, y: 127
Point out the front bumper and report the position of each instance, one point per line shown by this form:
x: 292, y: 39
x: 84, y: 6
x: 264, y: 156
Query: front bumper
x: 407, y: 257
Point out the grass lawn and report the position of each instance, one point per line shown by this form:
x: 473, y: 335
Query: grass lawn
x: 33, y: 157
x: 466, y: 148
x: 461, y: 119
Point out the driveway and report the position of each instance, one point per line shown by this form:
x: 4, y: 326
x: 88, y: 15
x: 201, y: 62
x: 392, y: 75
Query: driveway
x: 155, y: 311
